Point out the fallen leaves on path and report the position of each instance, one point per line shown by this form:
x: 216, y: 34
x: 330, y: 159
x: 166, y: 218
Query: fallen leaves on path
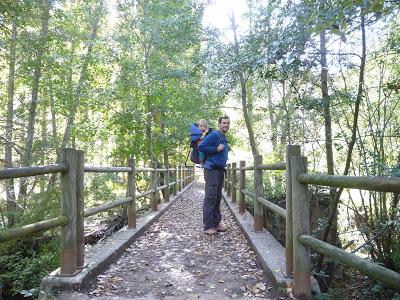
x: 174, y: 257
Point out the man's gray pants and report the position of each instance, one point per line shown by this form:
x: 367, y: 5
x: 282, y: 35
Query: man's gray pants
x: 212, y: 201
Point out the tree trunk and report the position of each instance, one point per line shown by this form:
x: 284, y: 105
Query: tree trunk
x: 329, y: 156
x: 355, y: 124
x: 9, y: 184
x: 53, y: 117
x: 331, y: 229
x: 82, y: 78
x: 149, y: 124
x: 37, y: 73
x: 328, y: 129
x: 274, y: 126
x: 78, y: 89
x: 243, y: 92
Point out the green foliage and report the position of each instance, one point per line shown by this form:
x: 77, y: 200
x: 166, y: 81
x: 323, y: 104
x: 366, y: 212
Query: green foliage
x: 42, y: 206
x: 23, y: 263
x: 323, y: 296
x: 101, y: 188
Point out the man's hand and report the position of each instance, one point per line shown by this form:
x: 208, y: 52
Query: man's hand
x: 220, y: 147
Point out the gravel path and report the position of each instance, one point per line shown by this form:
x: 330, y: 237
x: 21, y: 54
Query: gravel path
x: 175, y: 260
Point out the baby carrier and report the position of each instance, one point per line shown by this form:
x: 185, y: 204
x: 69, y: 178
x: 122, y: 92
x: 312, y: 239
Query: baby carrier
x: 195, y: 138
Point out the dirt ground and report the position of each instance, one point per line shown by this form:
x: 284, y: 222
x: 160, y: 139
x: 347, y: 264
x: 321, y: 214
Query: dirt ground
x: 174, y: 259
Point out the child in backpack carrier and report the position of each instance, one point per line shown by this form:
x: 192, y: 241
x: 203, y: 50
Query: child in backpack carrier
x: 198, y: 131
x: 203, y: 126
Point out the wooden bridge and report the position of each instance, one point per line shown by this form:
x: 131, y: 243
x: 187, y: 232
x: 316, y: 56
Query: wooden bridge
x: 170, y: 236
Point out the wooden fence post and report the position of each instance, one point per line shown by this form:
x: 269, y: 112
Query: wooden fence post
x: 259, y: 192
x: 183, y: 176
x: 242, y: 185
x: 131, y: 192
x: 154, y: 184
x: 301, y: 225
x: 166, y: 182
x: 175, y: 186
x: 291, y: 150
x: 233, y: 186
x: 180, y: 178
x: 226, y: 180
x: 228, y: 184
x: 80, y: 234
x: 69, y: 209
x: 186, y: 175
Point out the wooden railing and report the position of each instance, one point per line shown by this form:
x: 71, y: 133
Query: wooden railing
x: 297, y: 214
x: 72, y: 171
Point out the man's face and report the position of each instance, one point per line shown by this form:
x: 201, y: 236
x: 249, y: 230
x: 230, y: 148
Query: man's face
x: 224, y: 125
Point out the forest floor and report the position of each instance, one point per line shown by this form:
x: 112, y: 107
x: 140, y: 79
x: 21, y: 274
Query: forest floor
x: 174, y: 259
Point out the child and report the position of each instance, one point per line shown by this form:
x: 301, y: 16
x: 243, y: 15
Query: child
x: 203, y: 126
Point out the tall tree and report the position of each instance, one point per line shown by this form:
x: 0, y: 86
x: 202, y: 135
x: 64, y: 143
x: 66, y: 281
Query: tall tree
x: 243, y: 89
x: 37, y: 73
x: 8, y: 158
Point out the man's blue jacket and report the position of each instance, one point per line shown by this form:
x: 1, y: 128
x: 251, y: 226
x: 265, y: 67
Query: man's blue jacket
x: 214, y: 159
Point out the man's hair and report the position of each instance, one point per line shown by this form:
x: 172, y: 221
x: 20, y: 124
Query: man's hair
x: 222, y: 118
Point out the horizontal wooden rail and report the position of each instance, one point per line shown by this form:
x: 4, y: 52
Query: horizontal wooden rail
x: 10, y: 234
x: 249, y: 168
x: 276, y: 166
x: 105, y: 169
x: 32, y: 171
x: 95, y: 210
x: 145, y: 194
x: 248, y: 193
x: 386, y: 276
x: 272, y: 206
x: 161, y: 187
x: 377, y: 183
x: 144, y: 169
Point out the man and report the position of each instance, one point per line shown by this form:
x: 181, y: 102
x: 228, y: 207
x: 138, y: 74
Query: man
x: 215, y: 147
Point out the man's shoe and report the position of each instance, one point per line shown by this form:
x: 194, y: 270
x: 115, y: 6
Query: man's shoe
x: 220, y: 228
x: 210, y: 231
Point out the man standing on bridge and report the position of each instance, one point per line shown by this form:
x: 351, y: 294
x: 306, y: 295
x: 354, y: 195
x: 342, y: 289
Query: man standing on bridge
x: 215, y: 147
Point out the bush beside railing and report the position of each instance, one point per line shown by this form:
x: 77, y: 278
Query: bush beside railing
x: 72, y: 171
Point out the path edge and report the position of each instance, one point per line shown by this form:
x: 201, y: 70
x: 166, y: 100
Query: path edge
x: 269, y: 251
x: 102, y: 255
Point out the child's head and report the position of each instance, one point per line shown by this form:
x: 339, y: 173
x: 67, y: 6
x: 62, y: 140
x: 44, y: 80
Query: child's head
x: 203, y: 125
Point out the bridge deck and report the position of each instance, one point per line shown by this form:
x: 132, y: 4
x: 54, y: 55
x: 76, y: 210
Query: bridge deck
x: 175, y: 260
